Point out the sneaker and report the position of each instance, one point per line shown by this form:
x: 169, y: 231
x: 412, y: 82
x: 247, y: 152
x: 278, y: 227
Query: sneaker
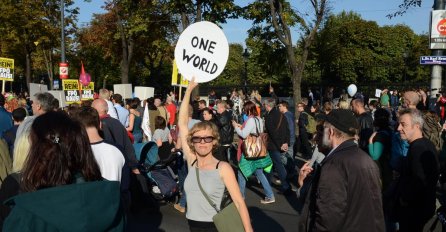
x: 179, y: 208
x: 267, y: 200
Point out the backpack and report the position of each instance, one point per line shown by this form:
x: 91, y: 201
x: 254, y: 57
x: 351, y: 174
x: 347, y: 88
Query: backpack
x: 432, y: 129
x: 311, y: 123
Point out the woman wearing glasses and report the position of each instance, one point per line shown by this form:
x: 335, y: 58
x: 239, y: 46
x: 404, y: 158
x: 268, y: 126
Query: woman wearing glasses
x: 202, y: 140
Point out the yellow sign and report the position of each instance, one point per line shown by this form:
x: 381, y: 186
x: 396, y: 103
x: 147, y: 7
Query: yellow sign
x: 6, y: 69
x: 174, y: 73
x: 87, y: 92
x: 175, y: 80
x: 71, y: 89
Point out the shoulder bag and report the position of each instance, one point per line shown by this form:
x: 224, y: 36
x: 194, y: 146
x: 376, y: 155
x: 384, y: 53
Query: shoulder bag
x: 255, y: 145
x: 227, y: 219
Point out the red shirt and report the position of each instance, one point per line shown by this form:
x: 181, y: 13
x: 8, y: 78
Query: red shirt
x: 172, y: 109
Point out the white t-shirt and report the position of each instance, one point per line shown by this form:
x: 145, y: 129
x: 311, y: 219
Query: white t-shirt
x: 110, y: 160
x: 111, y: 110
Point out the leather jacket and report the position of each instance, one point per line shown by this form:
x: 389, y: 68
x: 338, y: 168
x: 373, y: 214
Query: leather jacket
x: 225, y: 128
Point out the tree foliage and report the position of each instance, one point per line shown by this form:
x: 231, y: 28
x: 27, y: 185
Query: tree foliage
x: 26, y: 23
x: 353, y: 50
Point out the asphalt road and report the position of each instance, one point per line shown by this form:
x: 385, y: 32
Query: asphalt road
x: 279, y: 216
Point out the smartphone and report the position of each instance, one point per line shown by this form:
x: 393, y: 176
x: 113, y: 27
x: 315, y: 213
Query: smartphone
x: 313, y: 157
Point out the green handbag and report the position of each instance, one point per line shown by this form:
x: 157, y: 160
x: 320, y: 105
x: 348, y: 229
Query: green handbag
x: 227, y: 219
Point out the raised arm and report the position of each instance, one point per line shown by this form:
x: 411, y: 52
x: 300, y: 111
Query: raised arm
x: 183, y: 118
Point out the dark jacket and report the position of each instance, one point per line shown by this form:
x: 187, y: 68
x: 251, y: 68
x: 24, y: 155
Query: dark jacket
x: 9, y: 188
x: 345, y: 193
x: 88, y: 206
x: 115, y: 132
x: 225, y: 127
x: 419, y: 176
x: 276, y: 126
x: 365, y: 121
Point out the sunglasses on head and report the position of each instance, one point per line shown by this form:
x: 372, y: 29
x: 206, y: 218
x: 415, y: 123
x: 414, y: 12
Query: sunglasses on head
x: 208, y: 139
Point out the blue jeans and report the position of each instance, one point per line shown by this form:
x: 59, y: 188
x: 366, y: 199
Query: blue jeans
x: 276, y: 156
x: 261, y: 177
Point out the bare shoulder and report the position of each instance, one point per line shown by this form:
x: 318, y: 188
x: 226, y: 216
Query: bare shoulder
x: 225, y: 168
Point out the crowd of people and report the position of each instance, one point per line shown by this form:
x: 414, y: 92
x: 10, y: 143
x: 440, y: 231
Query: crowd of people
x: 369, y: 165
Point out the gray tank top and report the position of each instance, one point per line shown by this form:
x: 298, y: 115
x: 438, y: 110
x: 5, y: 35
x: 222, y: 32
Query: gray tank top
x: 198, y: 208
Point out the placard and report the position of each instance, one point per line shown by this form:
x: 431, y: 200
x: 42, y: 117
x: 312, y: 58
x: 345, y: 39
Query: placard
x: 143, y: 93
x: 124, y: 89
x: 202, y: 52
x: 6, y: 69
x: 37, y: 88
x: 60, y: 96
x: 87, y: 92
x: 71, y: 89
x: 378, y: 92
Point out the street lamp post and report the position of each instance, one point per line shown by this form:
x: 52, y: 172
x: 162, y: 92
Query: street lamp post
x: 62, y: 34
x: 245, y: 59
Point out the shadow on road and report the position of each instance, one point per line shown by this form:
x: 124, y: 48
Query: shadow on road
x: 262, y: 222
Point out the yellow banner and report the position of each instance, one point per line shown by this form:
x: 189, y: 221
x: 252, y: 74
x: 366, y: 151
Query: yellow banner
x: 6, y: 69
x: 87, y: 92
x: 183, y: 82
x: 174, y: 73
x: 71, y: 89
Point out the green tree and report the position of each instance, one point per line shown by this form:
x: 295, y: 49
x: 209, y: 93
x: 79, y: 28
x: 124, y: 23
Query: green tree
x: 279, y: 17
x: 233, y: 74
x: 353, y: 50
x: 25, y: 22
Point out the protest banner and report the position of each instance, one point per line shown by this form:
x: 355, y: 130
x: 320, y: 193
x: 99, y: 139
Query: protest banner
x: 378, y: 92
x: 124, y: 89
x: 143, y: 93
x: 59, y: 95
x: 37, y: 88
x: 87, y: 92
x: 71, y: 89
x: 6, y: 71
x: 201, y: 52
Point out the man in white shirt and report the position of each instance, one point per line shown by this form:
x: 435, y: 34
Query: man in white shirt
x: 109, y: 158
x: 105, y: 94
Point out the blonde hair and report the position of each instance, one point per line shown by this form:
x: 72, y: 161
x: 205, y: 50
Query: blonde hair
x: 21, y: 150
x: 205, y: 125
x: 343, y: 105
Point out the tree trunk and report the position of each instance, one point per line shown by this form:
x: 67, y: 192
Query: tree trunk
x: 28, y: 68
x: 48, y: 69
x: 125, y: 63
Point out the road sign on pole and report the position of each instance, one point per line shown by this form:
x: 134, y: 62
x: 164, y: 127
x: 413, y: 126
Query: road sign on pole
x: 432, y: 60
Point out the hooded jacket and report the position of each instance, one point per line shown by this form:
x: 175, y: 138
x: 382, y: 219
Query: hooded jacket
x: 88, y: 206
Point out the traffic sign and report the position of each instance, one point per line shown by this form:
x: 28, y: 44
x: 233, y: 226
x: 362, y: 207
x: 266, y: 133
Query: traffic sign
x: 432, y: 60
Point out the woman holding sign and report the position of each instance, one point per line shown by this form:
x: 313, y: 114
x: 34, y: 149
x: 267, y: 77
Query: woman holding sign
x: 206, y: 175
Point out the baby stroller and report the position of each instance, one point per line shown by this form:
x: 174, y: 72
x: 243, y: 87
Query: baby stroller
x: 155, y: 164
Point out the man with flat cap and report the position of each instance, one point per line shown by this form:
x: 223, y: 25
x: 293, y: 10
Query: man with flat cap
x: 345, y: 194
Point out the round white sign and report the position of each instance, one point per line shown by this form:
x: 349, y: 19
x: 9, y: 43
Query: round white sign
x: 202, y: 52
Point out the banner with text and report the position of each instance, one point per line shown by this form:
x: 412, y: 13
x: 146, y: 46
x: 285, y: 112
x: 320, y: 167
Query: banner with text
x: 87, y: 92
x: 71, y: 89
x: 6, y: 69
x: 202, y: 52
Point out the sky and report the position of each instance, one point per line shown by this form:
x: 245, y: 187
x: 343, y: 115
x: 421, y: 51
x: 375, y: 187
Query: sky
x: 374, y: 10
